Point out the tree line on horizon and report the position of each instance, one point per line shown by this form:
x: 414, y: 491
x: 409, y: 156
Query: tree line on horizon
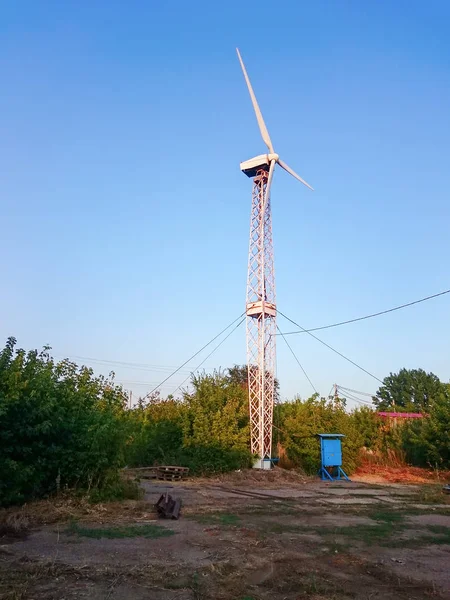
x: 64, y: 428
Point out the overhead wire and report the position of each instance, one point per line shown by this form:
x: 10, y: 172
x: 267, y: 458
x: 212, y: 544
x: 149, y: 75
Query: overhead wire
x: 122, y: 364
x: 210, y: 354
x: 355, y: 391
x: 377, y: 314
x: 298, y: 362
x: 192, y: 357
x: 331, y: 348
x: 351, y: 396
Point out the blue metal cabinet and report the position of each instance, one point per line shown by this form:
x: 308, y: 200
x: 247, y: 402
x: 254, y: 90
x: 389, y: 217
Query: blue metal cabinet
x: 331, y: 456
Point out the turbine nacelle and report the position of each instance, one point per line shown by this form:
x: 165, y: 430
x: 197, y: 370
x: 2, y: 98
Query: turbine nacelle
x: 252, y: 166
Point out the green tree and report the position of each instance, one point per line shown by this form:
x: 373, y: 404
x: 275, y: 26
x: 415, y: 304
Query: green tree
x: 301, y: 421
x: 427, y: 441
x: 155, y: 432
x: 217, y: 412
x: 239, y: 374
x: 369, y: 426
x: 408, y: 390
x: 59, y: 425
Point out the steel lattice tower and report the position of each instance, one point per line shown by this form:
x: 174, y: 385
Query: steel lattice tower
x: 261, y: 321
x: 261, y: 308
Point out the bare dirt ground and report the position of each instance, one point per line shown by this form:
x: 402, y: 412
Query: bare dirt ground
x: 251, y: 535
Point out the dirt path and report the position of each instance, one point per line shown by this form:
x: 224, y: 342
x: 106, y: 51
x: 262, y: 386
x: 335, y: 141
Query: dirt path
x: 266, y: 539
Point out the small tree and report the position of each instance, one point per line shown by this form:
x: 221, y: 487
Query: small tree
x: 239, y: 374
x: 217, y: 412
x: 302, y: 420
x: 369, y: 426
x: 60, y: 425
x: 427, y: 441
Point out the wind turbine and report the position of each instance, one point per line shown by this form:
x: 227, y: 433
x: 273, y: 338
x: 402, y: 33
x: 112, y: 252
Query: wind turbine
x: 261, y: 307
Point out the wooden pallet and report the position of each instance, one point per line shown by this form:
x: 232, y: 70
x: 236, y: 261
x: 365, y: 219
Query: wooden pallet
x: 170, y: 473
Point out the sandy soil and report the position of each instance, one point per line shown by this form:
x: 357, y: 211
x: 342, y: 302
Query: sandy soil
x: 248, y: 536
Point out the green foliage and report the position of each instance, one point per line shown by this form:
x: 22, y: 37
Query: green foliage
x: 427, y: 441
x: 409, y: 390
x: 206, y: 431
x: 208, y: 460
x: 60, y: 425
x: 156, y: 433
x: 216, y: 413
x: 120, y: 532
x: 369, y: 425
x: 239, y: 374
x: 301, y: 421
x: 116, y: 488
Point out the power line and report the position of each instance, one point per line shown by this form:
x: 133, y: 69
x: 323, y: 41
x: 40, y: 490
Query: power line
x: 355, y: 391
x: 122, y: 364
x: 210, y: 354
x: 298, y: 362
x: 377, y: 314
x: 331, y: 348
x: 355, y: 399
x: 193, y: 356
x: 146, y: 383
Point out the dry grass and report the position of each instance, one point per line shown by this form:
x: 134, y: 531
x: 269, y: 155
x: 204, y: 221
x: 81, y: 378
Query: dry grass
x: 275, y: 477
x: 247, y: 577
x: 392, y: 468
x: 14, y: 526
x: 69, y: 508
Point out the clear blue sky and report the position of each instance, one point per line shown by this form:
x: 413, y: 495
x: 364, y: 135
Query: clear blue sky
x: 124, y: 215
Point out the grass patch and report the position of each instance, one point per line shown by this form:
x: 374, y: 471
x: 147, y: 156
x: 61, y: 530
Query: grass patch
x: 280, y: 507
x: 225, y: 519
x: 270, y: 527
x: 369, y: 534
x: 115, y: 490
x: 437, y: 536
x: 387, y: 516
x: 431, y: 494
x: 123, y: 531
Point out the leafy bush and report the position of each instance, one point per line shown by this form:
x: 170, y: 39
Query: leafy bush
x: 426, y: 441
x: 154, y: 443
x: 216, y: 413
x: 116, y: 488
x: 369, y: 425
x: 206, y: 431
x: 208, y: 460
x: 301, y: 421
x: 60, y: 426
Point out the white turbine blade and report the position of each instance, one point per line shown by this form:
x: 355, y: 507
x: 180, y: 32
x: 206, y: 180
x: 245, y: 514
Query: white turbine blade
x: 262, y: 126
x: 269, y: 183
x: 293, y: 173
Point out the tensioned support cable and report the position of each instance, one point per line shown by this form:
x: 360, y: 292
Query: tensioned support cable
x: 331, y: 348
x: 210, y: 354
x: 298, y: 362
x: 193, y: 356
x: 377, y: 314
